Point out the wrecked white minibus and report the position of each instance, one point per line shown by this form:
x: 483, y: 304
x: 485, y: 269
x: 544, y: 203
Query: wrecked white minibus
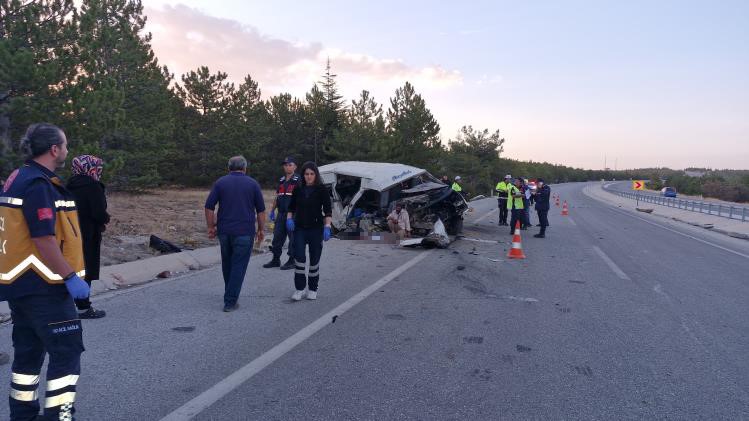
x: 364, y: 193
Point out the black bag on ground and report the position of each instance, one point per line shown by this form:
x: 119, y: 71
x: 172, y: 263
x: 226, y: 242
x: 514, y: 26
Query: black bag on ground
x: 163, y: 246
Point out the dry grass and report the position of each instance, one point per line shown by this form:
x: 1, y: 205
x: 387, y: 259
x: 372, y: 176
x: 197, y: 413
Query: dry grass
x: 175, y: 215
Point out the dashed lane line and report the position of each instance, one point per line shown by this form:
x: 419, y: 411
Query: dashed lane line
x: 486, y: 215
x: 620, y: 273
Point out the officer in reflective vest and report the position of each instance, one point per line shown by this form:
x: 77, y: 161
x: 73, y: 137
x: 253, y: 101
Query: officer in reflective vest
x: 501, y: 189
x: 515, y: 204
x: 41, y: 264
x: 456, y: 185
x: 286, y: 186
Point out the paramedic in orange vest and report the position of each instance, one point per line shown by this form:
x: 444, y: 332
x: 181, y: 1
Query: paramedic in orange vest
x: 41, y: 265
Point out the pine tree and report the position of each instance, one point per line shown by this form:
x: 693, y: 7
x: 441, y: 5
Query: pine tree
x: 208, y: 99
x: 413, y: 133
x: 363, y: 126
x: 250, y: 123
x: 37, y: 59
x: 122, y: 99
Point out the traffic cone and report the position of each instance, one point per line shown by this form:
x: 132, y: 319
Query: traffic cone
x: 557, y: 201
x: 565, y: 209
x: 516, y: 252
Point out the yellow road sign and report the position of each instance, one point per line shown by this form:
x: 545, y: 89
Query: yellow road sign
x: 638, y: 185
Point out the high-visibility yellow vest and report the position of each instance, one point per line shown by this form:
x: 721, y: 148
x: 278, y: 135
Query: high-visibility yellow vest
x: 502, y: 188
x: 457, y: 187
x: 514, y: 202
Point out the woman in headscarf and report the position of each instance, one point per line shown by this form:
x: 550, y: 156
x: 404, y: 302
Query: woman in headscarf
x: 91, y: 201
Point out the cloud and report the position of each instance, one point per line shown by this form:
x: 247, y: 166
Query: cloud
x: 185, y: 38
x: 487, y: 80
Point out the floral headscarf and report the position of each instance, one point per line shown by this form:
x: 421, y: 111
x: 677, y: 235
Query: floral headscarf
x: 88, y: 165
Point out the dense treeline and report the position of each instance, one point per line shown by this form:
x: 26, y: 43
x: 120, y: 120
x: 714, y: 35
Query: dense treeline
x: 91, y: 70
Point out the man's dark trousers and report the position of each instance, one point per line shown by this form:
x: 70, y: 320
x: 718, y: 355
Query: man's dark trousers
x: 526, y: 221
x: 543, y: 220
x: 517, y: 215
x: 279, y: 237
x: 235, y: 255
x: 502, y: 201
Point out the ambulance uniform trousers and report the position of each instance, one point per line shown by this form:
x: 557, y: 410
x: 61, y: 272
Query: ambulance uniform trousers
x: 45, y: 324
x: 304, y: 237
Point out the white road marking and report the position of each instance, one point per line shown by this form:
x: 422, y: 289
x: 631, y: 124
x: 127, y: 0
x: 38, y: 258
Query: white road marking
x: 199, y: 403
x: 620, y: 273
x: 485, y: 216
x: 669, y: 229
x: 478, y: 240
x: 572, y: 221
x: 686, y: 235
x: 525, y: 300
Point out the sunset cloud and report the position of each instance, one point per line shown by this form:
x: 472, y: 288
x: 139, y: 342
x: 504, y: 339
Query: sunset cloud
x: 185, y: 38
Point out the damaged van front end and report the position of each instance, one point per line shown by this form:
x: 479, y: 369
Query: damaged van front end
x: 364, y: 193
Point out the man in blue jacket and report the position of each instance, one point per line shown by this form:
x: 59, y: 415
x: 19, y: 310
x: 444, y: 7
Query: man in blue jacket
x: 240, y: 206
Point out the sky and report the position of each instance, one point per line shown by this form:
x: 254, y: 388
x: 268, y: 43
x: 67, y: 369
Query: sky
x: 629, y: 84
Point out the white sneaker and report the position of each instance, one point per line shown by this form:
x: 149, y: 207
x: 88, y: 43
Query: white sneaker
x: 311, y: 295
x: 297, y: 295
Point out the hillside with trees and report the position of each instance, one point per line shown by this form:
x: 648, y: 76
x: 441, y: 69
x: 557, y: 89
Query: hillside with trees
x: 89, y: 67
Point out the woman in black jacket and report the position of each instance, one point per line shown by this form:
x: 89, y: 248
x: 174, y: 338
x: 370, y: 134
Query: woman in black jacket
x: 309, y: 217
x: 91, y: 201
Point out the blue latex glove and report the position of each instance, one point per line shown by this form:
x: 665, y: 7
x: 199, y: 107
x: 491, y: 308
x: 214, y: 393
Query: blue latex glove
x: 77, y: 287
x: 290, y: 224
x: 326, y: 233
x: 273, y: 215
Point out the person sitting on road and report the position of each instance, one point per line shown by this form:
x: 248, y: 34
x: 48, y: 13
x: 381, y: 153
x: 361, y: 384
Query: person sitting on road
x: 399, y: 223
x: 310, y: 217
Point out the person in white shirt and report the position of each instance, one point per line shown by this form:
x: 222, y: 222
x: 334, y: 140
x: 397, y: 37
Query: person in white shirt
x: 399, y: 223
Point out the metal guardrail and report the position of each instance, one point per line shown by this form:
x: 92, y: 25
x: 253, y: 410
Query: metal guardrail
x: 731, y: 212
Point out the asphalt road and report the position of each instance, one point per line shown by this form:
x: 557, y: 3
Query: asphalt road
x: 612, y: 316
x: 626, y: 186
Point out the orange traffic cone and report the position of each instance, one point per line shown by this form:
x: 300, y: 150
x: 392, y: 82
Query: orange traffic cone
x: 516, y: 252
x: 565, y: 209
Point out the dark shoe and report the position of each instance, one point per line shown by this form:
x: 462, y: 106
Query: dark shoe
x: 92, y: 313
x: 231, y: 307
x: 290, y: 264
x: 540, y: 236
x: 273, y: 263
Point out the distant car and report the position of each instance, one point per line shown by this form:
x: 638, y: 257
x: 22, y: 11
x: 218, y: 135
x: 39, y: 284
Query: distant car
x: 668, y: 192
